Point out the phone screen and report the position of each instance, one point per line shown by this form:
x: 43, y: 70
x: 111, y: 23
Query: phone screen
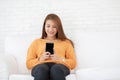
x: 49, y: 48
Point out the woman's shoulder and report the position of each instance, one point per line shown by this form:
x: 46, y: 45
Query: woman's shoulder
x: 65, y: 41
x: 68, y: 42
x: 38, y: 40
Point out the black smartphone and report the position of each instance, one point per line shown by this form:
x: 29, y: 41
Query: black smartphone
x: 49, y: 48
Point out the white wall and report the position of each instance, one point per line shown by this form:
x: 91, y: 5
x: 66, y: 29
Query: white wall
x: 25, y: 17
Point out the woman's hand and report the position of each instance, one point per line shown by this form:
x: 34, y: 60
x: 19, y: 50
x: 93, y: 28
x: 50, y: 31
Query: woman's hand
x: 45, y: 56
x: 55, y: 57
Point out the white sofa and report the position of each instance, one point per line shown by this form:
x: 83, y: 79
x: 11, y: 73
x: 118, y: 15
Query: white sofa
x: 97, y: 56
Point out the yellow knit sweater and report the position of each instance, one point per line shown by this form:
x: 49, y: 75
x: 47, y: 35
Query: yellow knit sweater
x: 63, y: 49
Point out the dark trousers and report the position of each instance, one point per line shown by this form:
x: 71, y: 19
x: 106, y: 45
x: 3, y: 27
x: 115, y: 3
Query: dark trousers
x: 50, y: 71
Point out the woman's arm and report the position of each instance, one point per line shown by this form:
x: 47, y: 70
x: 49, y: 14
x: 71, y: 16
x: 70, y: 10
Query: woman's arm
x: 70, y: 58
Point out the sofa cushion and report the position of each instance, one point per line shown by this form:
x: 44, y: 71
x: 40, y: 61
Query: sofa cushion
x: 20, y: 77
x: 109, y: 73
x: 29, y: 77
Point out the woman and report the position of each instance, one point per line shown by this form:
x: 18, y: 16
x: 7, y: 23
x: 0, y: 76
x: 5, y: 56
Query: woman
x: 47, y: 66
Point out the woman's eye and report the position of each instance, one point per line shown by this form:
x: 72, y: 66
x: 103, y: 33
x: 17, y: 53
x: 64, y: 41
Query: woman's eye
x: 48, y: 26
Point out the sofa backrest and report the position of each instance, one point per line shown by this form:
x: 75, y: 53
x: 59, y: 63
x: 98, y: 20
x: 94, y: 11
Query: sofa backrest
x: 97, y: 49
x: 93, y: 49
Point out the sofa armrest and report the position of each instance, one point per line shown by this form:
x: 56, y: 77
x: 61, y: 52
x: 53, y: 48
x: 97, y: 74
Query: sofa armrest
x: 8, y: 65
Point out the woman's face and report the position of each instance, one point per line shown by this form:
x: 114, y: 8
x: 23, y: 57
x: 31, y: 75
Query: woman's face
x: 51, y: 29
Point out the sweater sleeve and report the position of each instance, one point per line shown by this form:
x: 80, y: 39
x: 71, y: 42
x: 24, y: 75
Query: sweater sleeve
x: 32, y: 59
x: 70, y: 56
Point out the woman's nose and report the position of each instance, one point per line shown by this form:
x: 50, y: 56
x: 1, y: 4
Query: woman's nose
x: 51, y: 29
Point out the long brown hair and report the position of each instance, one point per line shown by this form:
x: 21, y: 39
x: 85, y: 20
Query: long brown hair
x: 60, y: 32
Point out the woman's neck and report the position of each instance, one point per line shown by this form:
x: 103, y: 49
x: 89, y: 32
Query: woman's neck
x: 50, y: 38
